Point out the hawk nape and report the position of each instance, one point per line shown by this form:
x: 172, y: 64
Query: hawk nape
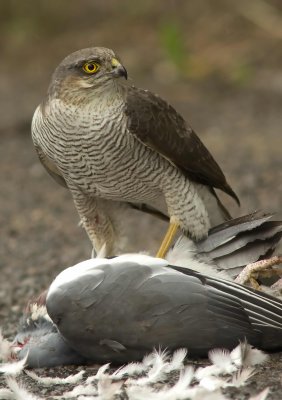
x: 116, y: 146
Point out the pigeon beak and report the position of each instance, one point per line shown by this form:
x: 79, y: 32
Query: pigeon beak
x: 118, y: 69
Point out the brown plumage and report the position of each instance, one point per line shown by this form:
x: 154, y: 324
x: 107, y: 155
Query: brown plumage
x: 116, y: 146
x: 158, y: 125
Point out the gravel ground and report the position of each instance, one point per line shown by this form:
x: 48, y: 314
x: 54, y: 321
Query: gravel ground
x: 39, y: 226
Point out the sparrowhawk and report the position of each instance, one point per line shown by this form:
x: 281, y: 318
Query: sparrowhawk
x: 116, y: 146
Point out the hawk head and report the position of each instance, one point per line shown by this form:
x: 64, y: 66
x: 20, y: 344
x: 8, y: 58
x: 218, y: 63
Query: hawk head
x: 86, y: 69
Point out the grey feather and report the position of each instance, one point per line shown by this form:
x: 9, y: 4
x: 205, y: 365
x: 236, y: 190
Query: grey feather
x: 242, y: 241
x: 143, y: 306
x: 229, y: 246
x: 44, y: 345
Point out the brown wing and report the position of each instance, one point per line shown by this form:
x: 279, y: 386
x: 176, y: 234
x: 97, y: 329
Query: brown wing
x: 156, y: 124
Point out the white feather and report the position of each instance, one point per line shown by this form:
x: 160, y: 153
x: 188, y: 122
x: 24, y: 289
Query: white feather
x: 157, y: 368
x: 222, y: 359
x: 19, y: 392
x: 244, y: 355
x: 129, y: 369
x: 6, y: 394
x: 38, y: 311
x: 13, y: 368
x: 5, y: 348
x: 177, y: 360
x: 99, y: 374
x: 107, y: 389
x: 185, y: 254
x: 261, y: 396
x: 241, y: 377
x: 204, y: 372
x: 184, y: 381
x: 157, y: 371
x: 203, y: 394
x: 48, y: 381
x: 80, y: 390
x: 140, y: 393
x: 212, y: 383
x: 256, y: 357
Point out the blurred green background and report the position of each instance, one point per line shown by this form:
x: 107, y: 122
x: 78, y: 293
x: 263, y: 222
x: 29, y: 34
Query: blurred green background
x: 166, y: 45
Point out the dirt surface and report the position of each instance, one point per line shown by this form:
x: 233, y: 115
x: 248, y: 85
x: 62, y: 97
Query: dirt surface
x: 235, y: 110
x: 39, y: 226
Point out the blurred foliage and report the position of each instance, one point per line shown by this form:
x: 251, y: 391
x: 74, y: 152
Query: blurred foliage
x: 242, y: 73
x: 173, y: 42
x: 195, y: 39
x: 221, y: 44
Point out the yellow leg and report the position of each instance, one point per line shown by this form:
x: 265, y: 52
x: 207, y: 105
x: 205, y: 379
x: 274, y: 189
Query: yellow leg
x: 171, y: 232
x: 256, y: 268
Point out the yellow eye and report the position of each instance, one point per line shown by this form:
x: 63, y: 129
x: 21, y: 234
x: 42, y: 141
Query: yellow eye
x: 91, y: 67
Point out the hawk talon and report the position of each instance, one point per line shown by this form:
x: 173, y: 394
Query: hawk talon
x: 256, y: 268
x: 254, y: 283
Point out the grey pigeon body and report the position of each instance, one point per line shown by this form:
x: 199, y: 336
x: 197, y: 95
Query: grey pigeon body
x: 119, y: 309
x: 133, y: 303
x: 44, y: 345
x: 116, y: 146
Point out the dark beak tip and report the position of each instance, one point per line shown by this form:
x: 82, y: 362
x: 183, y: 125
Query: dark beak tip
x: 123, y: 72
x: 120, y: 71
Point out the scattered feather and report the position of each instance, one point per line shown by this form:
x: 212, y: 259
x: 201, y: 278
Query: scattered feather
x: 240, y: 377
x: 202, y: 394
x: 5, y: 348
x: 203, y: 372
x: 178, y: 391
x: 129, y: 369
x: 261, y: 396
x: 221, y: 358
x: 6, y: 394
x: 13, y: 368
x: 19, y: 392
x: 244, y: 355
x: 256, y: 357
x: 48, y: 381
x: 38, y: 311
x: 150, y: 359
x: 107, y: 389
x: 236, y: 356
x: 80, y: 390
x: 99, y: 374
x: 227, y: 369
x: 140, y: 393
x: 177, y: 360
x: 157, y: 372
x: 212, y: 383
x: 185, y: 378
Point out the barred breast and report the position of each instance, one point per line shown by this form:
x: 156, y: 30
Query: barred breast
x: 99, y: 154
x: 102, y: 158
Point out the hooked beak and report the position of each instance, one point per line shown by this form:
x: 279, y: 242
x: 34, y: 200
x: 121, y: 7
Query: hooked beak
x: 118, y: 69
